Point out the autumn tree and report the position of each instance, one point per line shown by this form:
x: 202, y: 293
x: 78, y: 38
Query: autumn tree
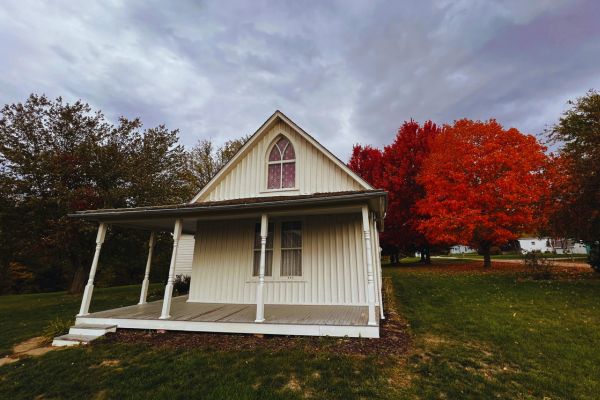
x: 367, y: 162
x: 395, y: 170
x: 483, y: 185
x: 402, y: 163
x: 578, y: 136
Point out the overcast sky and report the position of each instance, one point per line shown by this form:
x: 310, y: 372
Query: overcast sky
x: 346, y: 71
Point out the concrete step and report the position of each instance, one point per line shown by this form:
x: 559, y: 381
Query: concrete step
x: 92, y: 329
x: 72, y: 340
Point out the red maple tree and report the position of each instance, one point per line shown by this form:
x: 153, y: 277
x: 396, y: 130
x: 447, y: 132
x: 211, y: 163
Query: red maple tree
x: 402, y: 163
x: 484, y: 185
x: 367, y: 162
x: 395, y: 169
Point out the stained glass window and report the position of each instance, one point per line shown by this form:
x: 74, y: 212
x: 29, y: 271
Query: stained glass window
x: 282, y: 165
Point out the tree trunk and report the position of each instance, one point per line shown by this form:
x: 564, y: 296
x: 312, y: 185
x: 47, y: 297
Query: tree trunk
x: 487, y: 259
x: 78, y: 282
x: 427, y: 255
x: 422, y: 252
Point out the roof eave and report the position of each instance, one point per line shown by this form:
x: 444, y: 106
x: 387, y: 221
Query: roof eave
x: 123, y: 214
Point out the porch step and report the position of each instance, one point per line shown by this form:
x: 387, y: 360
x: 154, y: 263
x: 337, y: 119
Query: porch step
x: 92, y: 329
x: 83, y: 334
x: 72, y: 340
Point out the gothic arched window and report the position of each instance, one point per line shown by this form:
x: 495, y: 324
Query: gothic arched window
x: 282, y: 165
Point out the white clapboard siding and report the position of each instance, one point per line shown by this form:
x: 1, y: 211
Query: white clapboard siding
x: 185, y: 255
x: 315, y: 172
x: 333, y: 262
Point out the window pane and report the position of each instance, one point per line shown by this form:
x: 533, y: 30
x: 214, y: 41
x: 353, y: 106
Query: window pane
x: 282, y: 143
x: 270, y: 235
x: 289, y: 152
x: 275, y: 154
x: 274, y: 180
x: 291, y: 263
x: 268, y: 263
x: 289, y: 175
x: 291, y: 234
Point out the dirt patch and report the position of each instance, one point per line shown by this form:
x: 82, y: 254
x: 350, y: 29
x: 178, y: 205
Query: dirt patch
x: 101, y: 395
x: 293, y: 384
x: 434, y: 340
x: 30, y: 344
x: 8, y: 360
x: 107, y: 363
x: 394, y: 339
x: 36, y: 346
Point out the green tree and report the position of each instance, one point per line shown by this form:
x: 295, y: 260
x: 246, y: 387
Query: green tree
x: 204, y: 161
x: 578, y: 135
x: 57, y: 158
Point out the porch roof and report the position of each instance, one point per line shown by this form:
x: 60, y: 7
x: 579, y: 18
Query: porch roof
x: 162, y: 217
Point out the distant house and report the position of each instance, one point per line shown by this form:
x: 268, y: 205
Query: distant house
x: 283, y: 240
x: 529, y: 244
x: 550, y: 245
x: 461, y: 249
x: 568, y: 246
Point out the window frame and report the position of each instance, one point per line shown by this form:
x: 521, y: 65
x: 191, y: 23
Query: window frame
x: 281, y: 162
x: 282, y: 249
x: 277, y: 256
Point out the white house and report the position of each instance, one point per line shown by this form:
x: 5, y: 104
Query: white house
x: 549, y: 245
x: 461, y: 249
x: 285, y: 242
x: 529, y: 244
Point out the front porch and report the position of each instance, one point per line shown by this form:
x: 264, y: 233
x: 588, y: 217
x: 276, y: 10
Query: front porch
x: 329, y: 284
x: 311, y: 320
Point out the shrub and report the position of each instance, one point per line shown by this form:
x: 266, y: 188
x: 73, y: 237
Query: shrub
x: 594, y: 256
x: 495, y: 251
x: 182, y: 284
x: 56, y: 327
x: 155, y: 294
x: 540, y: 266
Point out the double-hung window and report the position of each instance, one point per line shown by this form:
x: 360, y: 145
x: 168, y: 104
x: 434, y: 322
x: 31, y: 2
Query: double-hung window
x: 268, y: 251
x: 291, y: 248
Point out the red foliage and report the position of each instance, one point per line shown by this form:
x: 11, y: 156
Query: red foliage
x: 484, y: 185
x: 395, y: 170
x: 367, y: 162
x: 403, y: 160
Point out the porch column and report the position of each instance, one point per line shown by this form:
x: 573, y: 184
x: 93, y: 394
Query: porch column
x: 370, y: 278
x: 166, y: 309
x: 260, y: 303
x: 379, y: 270
x: 89, y: 288
x: 146, y: 281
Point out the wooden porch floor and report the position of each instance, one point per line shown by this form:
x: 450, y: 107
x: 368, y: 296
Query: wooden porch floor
x: 242, y: 313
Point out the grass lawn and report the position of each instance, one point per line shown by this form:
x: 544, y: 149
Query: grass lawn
x: 493, y: 334
x: 488, y: 335
x: 26, y: 316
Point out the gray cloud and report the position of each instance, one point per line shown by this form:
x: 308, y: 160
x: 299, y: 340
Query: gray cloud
x: 347, y: 71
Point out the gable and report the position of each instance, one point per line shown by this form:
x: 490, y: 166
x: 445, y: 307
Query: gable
x: 316, y: 169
